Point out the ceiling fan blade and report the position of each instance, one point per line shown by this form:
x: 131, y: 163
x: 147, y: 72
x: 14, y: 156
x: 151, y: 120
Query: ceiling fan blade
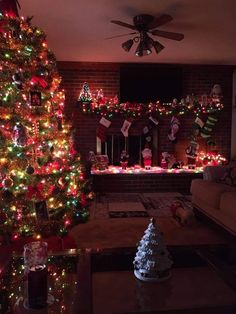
x: 160, y: 20
x: 121, y: 35
x: 169, y: 35
x: 123, y: 24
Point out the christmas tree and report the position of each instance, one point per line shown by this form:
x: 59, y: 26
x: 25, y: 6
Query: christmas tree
x: 85, y: 93
x: 42, y: 188
x: 152, y: 261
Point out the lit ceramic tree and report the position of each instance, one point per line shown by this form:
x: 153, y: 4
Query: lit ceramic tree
x: 85, y: 93
x: 152, y: 261
x: 42, y: 186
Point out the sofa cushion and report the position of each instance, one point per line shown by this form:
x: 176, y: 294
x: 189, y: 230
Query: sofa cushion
x: 214, y: 173
x: 209, y: 192
x: 229, y: 176
x: 228, y: 204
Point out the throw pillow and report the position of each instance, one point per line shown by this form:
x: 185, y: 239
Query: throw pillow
x: 229, y: 176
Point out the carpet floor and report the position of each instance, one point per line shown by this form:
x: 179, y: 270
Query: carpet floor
x: 103, y: 232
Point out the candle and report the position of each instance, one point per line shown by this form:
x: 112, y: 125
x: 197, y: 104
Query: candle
x: 37, y: 287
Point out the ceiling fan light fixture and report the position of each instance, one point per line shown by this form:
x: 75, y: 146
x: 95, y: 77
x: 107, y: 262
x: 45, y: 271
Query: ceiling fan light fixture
x: 144, y: 25
x: 158, y: 46
x: 139, y: 51
x: 143, y: 49
x: 127, y: 45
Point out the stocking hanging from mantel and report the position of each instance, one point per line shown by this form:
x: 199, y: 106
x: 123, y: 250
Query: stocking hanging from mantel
x: 152, y: 123
x: 104, y: 124
x: 125, y: 128
x: 174, y: 129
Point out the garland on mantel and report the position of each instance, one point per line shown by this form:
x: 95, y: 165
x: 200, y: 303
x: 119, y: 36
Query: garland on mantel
x: 108, y: 107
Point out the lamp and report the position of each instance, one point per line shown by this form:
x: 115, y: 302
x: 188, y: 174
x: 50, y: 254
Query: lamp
x: 127, y: 45
x: 143, y: 49
x: 145, y: 45
x: 157, y: 46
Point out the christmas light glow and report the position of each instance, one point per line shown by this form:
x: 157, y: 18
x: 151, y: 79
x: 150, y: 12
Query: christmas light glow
x: 140, y: 170
x: 211, y: 159
x: 40, y: 170
x: 108, y: 107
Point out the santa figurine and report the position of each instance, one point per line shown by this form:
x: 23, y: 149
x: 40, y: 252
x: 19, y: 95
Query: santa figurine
x: 124, y: 159
x: 191, y: 154
x: 147, y: 157
x: 216, y: 92
x: 165, y: 160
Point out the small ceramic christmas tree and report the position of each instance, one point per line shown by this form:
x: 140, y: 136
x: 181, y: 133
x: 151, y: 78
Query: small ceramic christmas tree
x: 152, y: 261
x: 85, y: 93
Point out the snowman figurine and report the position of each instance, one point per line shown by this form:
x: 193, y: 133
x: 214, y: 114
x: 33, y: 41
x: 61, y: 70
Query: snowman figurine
x: 20, y: 135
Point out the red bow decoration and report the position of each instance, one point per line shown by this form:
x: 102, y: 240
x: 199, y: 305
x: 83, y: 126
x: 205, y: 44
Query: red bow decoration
x: 10, y: 7
x: 39, y: 80
x: 35, y: 192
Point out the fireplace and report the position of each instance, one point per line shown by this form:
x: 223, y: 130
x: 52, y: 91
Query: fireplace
x: 133, y: 144
x: 116, y: 143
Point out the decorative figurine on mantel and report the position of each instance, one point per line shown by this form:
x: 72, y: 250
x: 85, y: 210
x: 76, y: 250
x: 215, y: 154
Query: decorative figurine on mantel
x: 152, y: 261
x: 147, y: 157
x: 124, y: 158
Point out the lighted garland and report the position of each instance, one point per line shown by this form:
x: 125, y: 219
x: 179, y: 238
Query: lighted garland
x: 211, y: 158
x: 108, y: 107
x: 40, y: 171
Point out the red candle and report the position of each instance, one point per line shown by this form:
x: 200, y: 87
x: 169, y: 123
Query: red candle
x: 37, y: 287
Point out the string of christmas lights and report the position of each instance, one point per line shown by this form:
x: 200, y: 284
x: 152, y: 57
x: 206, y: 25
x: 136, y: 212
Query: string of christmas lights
x: 108, y: 107
x: 211, y: 158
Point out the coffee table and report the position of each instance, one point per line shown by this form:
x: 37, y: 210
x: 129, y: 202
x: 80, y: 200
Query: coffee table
x: 198, y: 283
x: 101, y: 281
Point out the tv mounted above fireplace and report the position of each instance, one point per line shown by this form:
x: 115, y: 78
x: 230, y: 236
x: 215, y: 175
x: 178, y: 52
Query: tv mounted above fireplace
x: 150, y: 82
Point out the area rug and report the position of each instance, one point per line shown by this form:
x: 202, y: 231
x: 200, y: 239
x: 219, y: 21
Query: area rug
x: 126, y: 209
x: 123, y: 198
x: 160, y: 206
x: 143, y: 204
x: 128, y: 214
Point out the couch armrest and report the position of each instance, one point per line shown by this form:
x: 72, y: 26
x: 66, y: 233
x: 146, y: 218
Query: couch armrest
x: 214, y: 173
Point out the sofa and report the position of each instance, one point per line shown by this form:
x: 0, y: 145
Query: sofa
x: 215, y: 197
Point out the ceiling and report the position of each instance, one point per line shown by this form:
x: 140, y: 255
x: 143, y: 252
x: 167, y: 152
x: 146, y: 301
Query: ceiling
x: 76, y: 29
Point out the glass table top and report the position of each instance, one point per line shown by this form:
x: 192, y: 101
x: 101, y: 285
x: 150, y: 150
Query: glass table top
x: 102, y: 281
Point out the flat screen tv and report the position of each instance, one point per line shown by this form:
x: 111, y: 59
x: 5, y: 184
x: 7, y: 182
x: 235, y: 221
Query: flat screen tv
x: 146, y: 83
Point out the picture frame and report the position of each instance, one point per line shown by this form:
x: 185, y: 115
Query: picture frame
x: 35, y: 99
x: 41, y: 210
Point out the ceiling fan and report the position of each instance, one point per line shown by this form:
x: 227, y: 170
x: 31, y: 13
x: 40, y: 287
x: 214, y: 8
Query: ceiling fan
x: 143, y: 25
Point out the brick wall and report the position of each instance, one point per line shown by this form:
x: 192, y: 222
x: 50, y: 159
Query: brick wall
x: 197, y: 79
